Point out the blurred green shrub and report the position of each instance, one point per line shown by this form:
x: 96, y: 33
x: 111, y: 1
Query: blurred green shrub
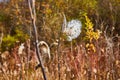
x: 9, y: 41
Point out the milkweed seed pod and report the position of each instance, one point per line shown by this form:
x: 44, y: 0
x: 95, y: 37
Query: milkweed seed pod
x: 72, y: 29
x: 45, y: 51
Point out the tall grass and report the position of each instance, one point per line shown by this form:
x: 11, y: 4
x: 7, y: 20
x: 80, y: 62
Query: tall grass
x: 81, y: 64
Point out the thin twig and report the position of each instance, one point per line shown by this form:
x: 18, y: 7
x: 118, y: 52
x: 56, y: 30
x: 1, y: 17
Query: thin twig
x: 5, y: 74
x: 1, y: 38
x: 33, y: 17
x: 58, y: 52
x: 71, y: 47
x: 28, y: 55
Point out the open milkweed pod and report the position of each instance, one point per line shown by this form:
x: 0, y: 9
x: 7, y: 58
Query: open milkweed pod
x: 72, y: 29
x: 64, y: 24
x: 44, y: 48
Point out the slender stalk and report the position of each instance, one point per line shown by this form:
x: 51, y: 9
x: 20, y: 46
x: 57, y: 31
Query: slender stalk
x: 71, y: 47
x: 5, y: 76
x: 28, y: 55
x: 58, y: 52
x: 1, y: 37
x: 33, y: 17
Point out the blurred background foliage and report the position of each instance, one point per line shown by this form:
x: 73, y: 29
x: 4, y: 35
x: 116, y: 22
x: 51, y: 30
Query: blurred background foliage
x: 15, y: 18
x: 94, y: 55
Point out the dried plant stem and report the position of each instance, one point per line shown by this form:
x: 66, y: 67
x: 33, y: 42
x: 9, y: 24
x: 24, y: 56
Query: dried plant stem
x: 1, y: 38
x: 28, y: 55
x: 5, y: 75
x: 71, y: 47
x: 33, y: 17
x: 58, y: 51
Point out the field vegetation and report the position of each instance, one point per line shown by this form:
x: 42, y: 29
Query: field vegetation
x: 94, y: 55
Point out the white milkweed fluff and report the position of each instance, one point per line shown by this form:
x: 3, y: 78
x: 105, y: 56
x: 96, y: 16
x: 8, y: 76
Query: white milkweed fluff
x: 72, y: 29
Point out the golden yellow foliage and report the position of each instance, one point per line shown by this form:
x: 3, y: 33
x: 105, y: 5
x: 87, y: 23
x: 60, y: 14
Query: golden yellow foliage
x: 90, y: 34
